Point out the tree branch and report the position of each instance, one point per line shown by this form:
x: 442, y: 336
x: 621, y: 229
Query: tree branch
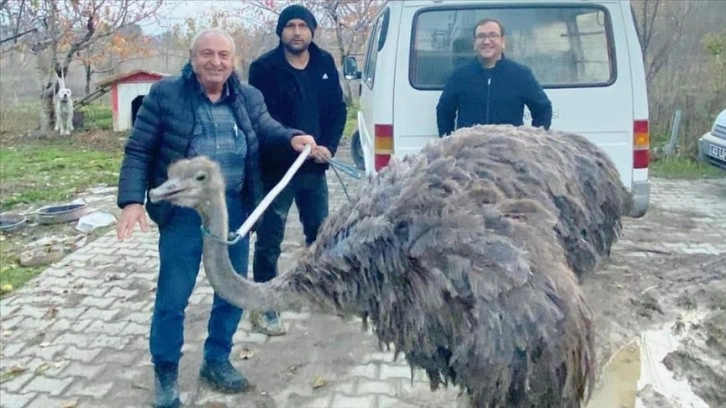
x: 651, y: 23
x: 16, y: 36
x: 115, y: 64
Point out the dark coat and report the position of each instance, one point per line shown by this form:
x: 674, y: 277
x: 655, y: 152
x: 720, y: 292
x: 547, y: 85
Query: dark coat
x: 491, y: 96
x: 163, y: 131
x: 273, y: 76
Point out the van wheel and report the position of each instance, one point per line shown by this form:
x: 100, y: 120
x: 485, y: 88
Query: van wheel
x: 356, y: 150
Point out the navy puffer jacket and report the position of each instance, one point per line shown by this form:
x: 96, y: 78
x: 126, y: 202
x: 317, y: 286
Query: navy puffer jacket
x: 163, y: 131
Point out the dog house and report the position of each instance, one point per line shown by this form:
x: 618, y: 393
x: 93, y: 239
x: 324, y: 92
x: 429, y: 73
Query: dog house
x: 127, y: 92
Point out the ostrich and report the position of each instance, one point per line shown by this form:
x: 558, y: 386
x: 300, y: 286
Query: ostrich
x: 462, y: 257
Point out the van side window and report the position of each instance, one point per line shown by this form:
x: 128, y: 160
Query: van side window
x: 375, y: 44
x: 565, y: 46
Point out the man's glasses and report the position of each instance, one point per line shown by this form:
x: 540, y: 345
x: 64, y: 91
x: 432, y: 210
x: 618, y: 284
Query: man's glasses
x: 491, y: 36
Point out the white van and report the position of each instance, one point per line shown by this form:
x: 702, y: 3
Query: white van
x: 585, y: 53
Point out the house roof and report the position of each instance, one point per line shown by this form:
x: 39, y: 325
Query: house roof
x: 131, y: 75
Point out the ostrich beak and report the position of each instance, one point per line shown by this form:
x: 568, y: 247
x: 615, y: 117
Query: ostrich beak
x: 166, y: 191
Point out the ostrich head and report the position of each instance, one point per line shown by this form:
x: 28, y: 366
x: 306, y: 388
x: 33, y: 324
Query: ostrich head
x: 191, y: 183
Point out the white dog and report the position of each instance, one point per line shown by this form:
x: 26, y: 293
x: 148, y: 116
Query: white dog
x: 63, y: 111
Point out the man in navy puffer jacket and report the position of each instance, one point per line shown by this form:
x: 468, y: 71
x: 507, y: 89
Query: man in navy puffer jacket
x: 491, y: 89
x: 205, y: 111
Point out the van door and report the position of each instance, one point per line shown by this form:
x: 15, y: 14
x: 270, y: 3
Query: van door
x: 375, y: 117
x: 570, y: 47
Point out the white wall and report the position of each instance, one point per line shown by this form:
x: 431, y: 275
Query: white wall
x: 126, y: 94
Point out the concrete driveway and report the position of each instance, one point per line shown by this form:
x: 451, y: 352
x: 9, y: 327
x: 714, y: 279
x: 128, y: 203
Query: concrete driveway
x: 77, y: 336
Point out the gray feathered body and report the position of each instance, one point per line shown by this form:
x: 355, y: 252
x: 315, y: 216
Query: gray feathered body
x: 462, y: 257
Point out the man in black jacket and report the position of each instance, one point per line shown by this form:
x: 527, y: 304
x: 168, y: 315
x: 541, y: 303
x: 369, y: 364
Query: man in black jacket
x: 302, y: 90
x: 205, y: 111
x: 491, y: 89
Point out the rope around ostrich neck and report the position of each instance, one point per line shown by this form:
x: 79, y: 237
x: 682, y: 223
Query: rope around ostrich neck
x: 345, y: 168
x: 234, y: 237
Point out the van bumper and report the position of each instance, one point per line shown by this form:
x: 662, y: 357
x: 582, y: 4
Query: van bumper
x: 641, y: 198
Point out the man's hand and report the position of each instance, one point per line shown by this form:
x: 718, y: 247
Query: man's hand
x: 321, y: 154
x: 130, y: 215
x: 300, y: 141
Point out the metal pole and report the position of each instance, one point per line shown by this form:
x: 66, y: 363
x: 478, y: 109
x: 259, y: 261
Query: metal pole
x: 670, y: 148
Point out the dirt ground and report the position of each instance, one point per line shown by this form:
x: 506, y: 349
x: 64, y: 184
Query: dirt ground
x: 668, y: 272
x: 666, y: 275
x: 668, y: 267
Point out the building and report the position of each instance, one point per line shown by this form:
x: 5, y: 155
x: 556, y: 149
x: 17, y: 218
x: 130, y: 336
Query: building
x: 127, y: 92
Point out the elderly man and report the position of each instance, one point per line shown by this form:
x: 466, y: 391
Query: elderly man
x: 204, y: 111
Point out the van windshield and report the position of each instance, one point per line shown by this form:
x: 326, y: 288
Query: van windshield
x: 565, y: 46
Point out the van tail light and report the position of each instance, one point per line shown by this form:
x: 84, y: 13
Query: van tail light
x: 383, y: 145
x: 641, y: 144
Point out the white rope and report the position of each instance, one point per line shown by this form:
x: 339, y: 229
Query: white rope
x: 257, y: 213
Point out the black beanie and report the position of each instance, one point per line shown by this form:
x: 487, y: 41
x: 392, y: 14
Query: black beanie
x: 296, y: 11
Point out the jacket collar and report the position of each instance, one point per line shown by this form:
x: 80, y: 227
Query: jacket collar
x: 503, y: 60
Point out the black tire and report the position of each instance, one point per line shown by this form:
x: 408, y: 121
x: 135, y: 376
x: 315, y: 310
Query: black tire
x: 356, y: 150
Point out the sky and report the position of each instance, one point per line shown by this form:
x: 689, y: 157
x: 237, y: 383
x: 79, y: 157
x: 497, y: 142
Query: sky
x: 176, y: 11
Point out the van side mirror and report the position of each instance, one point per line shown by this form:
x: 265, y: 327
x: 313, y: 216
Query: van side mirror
x: 350, y: 68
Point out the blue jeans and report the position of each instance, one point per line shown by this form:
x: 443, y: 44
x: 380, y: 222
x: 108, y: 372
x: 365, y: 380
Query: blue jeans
x: 180, y: 255
x: 310, y: 193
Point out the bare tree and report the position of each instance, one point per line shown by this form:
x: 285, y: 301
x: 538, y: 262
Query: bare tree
x: 59, y: 31
x: 105, y: 55
x: 660, y: 25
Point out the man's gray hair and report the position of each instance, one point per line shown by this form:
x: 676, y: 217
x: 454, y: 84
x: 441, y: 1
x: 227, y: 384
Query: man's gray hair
x: 206, y: 31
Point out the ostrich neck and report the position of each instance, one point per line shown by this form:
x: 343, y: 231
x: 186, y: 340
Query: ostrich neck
x: 230, y: 286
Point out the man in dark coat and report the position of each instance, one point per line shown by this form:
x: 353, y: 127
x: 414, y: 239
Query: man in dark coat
x: 302, y: 90
x: 205, y: 111
x: 491, y: 89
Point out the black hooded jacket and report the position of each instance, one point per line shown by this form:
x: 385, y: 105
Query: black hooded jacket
x: 276, y: 79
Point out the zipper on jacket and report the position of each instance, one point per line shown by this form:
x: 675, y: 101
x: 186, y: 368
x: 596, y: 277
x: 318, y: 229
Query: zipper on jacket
x: 489, y: 94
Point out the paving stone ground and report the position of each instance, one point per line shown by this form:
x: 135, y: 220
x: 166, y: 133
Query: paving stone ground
x: 77, y: 336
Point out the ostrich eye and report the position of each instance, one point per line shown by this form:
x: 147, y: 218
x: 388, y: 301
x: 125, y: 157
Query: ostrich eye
x: 201, y: 177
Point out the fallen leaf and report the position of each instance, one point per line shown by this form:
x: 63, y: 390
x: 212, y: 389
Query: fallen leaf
x: 6, y: 288
x: 42, y: 368
x: 16, y: 369
x: 319, y: 382
x: 70, y: 404
x: 51, y: 313
x: 246, y: 354
x: 44, y: 344
x: 293, y: 369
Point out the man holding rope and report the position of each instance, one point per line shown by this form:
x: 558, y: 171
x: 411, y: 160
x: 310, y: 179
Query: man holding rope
x: 301, y: 86
x: 205, y: 111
